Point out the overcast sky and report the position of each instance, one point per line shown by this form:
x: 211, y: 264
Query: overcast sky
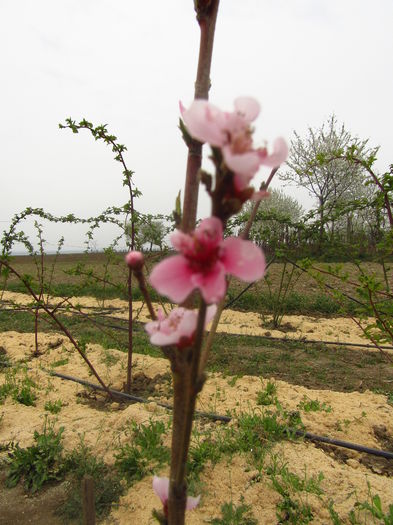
x: 127, y: 63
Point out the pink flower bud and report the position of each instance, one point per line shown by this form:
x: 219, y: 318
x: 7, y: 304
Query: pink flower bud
x: 135, y: 260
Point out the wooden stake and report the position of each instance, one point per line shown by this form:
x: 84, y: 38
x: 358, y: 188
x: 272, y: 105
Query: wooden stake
x: 89, y: 512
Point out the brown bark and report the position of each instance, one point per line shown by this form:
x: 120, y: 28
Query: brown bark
x: 206, y: 17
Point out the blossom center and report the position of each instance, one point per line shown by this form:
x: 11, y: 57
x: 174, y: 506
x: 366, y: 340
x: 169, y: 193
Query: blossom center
x: 241, y: 142
x: 173, y: 320
x: 203, y: 256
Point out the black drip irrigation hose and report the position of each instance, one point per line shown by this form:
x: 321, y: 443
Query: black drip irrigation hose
x: 129, y: 397
x: 345, y: 444
x: 216, y: 417
x: 317, y: 341
x: 268, y: 337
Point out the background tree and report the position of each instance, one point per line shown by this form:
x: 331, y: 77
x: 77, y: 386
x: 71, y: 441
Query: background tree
x: 332, y: 182
x: 152, y: 232
x: 276, y: 220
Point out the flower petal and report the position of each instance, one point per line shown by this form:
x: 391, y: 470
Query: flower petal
x: 248, y: 107
x: 204, y: 122
x: 160, y: 314
x: 209, y: 232
x: 172, y: 277
x: 279, y: 155
x: 161, y: 488
x: 152, y: 327
x: 210, y: 313
x: 188, y: 323
x: 241, y: 182
x: 192, y: 502
x: 243, y: 259
x: 182, y: 242
x: 246, y: 164
x: 162, y: 339
x: 212, y: 285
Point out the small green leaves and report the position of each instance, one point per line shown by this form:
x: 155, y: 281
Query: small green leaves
x: 177, y: 214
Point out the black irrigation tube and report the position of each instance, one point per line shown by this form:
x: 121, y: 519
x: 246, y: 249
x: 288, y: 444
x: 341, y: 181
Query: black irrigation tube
x: 345, y: 444
x: 317, y: 341
x: 216, y: 417
x: 117, y: 393
x: 268, y: 337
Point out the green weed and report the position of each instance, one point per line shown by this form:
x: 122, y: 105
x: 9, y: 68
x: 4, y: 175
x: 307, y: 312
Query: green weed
x: 145, y: 452
x: 20, y: 389
x: 291, y: 508
x: 374, y: 507
x: 389, y: 395
x: 356, y: 517
x: 53, y: 407
x: 107, y: 484
x: 255, y: 432
x: 232, y: 380
x: 268, y: 396
x: 293, y: 511
x: 336, y: 520
x: 313, y: 405
x: 60, y: 362
x: 25, y: 395
x: 235, y: 515
x: 4, y: 359
x: 109, y: 359
x: 39, y: 463
x: 201, y: 451
x: 284, y: 480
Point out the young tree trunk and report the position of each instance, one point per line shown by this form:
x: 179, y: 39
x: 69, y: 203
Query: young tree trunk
x: 321, y: 226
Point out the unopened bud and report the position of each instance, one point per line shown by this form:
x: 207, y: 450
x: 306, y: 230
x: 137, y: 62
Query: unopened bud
x: 135, y: 260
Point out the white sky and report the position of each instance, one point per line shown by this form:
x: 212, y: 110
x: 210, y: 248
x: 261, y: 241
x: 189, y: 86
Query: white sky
x: 127, y: 63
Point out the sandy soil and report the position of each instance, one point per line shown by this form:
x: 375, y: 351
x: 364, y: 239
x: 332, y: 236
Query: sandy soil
x: 356, y: 417
x: 334, y: 329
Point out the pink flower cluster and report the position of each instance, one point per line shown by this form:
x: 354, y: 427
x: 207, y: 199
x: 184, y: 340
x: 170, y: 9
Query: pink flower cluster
x: 204, y: 260
x: 204, y: 257
x: 178, y: 328
x: 232, y: 133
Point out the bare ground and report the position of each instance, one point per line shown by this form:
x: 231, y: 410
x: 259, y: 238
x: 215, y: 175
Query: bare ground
x: 364, y: 418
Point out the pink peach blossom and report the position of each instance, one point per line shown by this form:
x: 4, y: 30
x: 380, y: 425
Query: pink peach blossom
x: 204, y: 261
x: 275, y: 159
x: 161, y: 488
x: 178, y: 328
x: 232, y: 133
